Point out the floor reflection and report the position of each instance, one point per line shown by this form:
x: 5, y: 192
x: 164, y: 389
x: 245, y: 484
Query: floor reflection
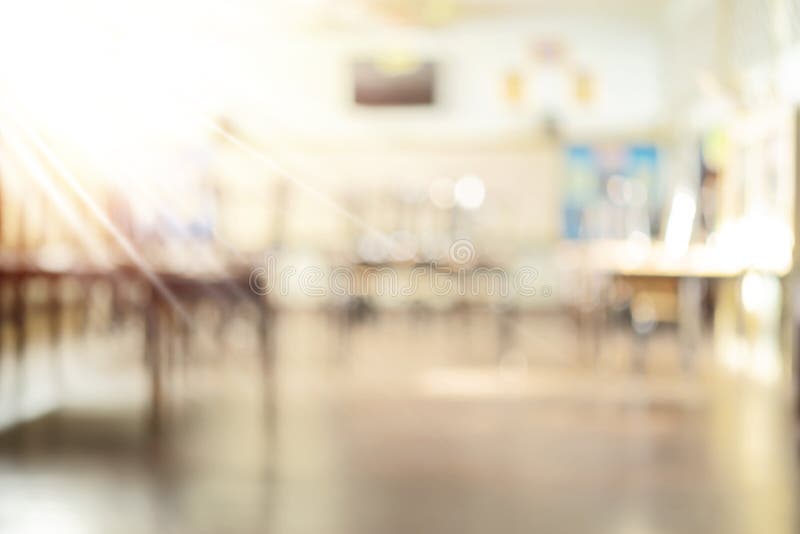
x: 410, y: 426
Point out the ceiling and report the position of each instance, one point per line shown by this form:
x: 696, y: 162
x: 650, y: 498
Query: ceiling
x: 445, y: 12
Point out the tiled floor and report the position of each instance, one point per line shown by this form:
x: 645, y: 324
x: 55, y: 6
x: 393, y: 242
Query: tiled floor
x: 409, y: 427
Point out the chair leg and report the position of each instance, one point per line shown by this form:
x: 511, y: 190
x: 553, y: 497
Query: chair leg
x: 19, y: 317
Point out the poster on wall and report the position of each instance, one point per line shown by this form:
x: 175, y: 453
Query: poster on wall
x: 394, y: 82
x: 611, y: 191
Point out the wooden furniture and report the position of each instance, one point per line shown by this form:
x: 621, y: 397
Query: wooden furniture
x: 165, y: 301
x: 600, y: 263
x: 169, y: 315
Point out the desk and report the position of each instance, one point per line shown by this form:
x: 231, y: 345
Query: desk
x: 596, y: 262
x: 165, y: 302
x: 168, y: 316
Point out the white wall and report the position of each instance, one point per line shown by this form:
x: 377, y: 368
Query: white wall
x: 308, y: 74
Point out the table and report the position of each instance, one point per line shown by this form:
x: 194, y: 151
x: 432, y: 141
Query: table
x: 165, y: 301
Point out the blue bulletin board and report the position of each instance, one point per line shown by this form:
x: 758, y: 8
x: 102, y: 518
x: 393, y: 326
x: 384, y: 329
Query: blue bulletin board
x: 610, y: 191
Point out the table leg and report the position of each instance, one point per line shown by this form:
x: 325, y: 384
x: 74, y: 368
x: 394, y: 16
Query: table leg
x: 690, y: 318
x: 19, y: 318
x: 153, y: 360
x: 54, y: 308
x: 265, y: 333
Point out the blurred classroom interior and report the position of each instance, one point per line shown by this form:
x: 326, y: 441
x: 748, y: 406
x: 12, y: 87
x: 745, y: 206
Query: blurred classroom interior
x: 384, y: 266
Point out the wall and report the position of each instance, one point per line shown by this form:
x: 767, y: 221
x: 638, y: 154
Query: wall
x: 138, y: 83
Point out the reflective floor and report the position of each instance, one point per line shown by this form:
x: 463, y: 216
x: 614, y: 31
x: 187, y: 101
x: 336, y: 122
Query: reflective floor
x: 404, y: 425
